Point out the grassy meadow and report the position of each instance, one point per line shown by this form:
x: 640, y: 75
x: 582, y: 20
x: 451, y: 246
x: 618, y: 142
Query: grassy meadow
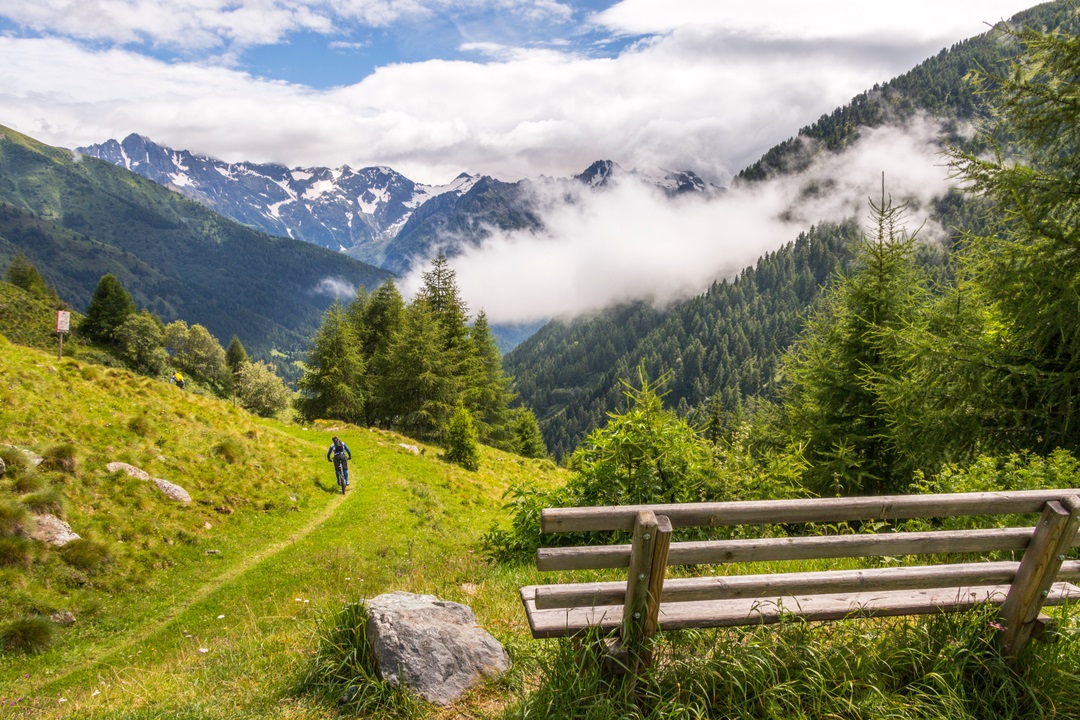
x: 243, y: 604
x: 214, y: 609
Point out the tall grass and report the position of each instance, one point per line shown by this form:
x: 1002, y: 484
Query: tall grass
x: 945, y: 666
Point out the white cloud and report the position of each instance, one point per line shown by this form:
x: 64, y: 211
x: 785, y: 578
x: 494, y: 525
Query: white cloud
x: 335, y: 287
x: 633, y: 243
x: 920, y: 20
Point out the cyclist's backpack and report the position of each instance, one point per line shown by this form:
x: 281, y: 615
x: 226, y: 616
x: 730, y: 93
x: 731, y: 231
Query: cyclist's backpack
x: 339, y: 449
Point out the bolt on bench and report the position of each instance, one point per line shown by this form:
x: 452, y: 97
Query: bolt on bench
x: 646, y: 602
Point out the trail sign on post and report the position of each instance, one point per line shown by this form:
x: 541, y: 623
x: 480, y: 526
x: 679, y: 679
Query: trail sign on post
x: 63, y: 325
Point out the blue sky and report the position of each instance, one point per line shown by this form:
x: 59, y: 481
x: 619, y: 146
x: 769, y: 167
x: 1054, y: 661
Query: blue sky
x: 511, y: 88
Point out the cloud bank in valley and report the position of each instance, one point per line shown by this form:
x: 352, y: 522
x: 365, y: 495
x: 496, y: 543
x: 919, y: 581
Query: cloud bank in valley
x: 631, y: 242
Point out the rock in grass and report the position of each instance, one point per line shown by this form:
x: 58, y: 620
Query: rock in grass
x: 432, y: 646
x: 171, y: 490
x: 52, y: 530
x: 3, y: 467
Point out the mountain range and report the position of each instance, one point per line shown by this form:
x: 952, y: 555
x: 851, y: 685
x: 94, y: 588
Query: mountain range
x: 374, y: 214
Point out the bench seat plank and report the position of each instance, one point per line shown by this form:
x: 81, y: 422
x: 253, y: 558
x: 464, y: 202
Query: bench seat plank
x: 752, y: 611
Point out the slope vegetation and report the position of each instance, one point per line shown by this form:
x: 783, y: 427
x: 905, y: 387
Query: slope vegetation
x: 77, y: 218
x: 211, y: 609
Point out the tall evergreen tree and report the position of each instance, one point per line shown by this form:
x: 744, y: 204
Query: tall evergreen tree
x: 422, y: 387
x: 109, y: 306
x: 487, y: 389
x: 526, y: 437
x: 461, y: 440
x: 836, y: 368
x: 440, y: 294
x: 330, y: 384
x: 235, y: 355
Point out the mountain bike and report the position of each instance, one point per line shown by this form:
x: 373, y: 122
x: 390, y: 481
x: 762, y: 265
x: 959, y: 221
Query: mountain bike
x: 342, y: 470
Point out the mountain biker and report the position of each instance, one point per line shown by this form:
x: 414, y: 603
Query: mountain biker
x: 338, y: 452
x: 178, y: 379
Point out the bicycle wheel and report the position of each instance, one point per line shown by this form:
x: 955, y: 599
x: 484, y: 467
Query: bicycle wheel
x: 341, y: 479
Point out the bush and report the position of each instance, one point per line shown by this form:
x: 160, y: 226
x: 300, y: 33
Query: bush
x: 85, y: 555
x: 60, y: 457
x: 12, y: 518
x: 260, y: 390
x: 16, y: 552
x: 462, y: 446
x: 30, y: 635
x: 50, y: 500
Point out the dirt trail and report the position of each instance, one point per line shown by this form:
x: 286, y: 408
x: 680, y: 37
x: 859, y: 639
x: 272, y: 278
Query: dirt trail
x: 199, y: 595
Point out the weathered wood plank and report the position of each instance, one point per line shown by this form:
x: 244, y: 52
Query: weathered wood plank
x: 776, y: 584
x: 794, y: 548
x: 762, y: 512
x: 637, y: 585
x: 1053, y: 536
x: 729, y: 613
x: 656, y: 575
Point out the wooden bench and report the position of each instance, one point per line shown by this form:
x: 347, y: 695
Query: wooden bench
x: 645, y: 602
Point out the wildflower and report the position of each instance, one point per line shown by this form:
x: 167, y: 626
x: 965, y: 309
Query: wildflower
x: 996, y: 625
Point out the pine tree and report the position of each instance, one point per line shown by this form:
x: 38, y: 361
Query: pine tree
x: 440, y: 294
x: 836, y: 369
x: 421, y: 385
x: 109, y: 306
x: 235, y: 355
x: 332, y: 374
x: 461, y: 441
x: 527, y: 439
x: 487, y: 389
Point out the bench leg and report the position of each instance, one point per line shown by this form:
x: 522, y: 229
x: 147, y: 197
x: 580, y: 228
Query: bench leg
x: 1038, y: 568
x: 645, y: 583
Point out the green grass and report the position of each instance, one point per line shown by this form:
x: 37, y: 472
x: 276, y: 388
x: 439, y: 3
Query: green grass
x: 244, y: 604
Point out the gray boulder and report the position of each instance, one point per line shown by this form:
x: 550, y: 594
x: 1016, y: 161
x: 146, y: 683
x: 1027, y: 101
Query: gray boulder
x: 52, y: 530
x: 171, y: 490
x: 3, y: 467
x: 432, y: 646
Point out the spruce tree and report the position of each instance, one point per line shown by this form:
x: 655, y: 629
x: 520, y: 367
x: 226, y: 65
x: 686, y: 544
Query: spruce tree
x: 235, y: 355
x: 22, y: 273
x: 330, y: 384
x: 487, y: 389
x: 461, y: 441
x: 421, y: 385
x: 109, y: 306
x: 527, y: 439
x: 837, y: 367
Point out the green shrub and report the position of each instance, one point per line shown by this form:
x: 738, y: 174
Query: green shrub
x: 16, y: 552
x: 230, y: 450
x: 49, y: 500
x: 30, y: 635
x: 60, y: 457
x: 462, y: 446
x: 85, y: 555
x: 13, y: 518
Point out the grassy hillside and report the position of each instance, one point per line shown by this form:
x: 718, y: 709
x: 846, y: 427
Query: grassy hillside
x: 78, y: 218
x: 212, y: 609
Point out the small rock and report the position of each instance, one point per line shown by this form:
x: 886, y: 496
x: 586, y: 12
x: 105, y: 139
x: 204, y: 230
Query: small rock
x: 172, y: 490
x: 52, y: 530
x: 62, y: 617
x: 469, y: 589
x: 207, y: 526
x: 223, y: 510
x: 3, y: 467
x: 129, y: 469
x: 213, y: 552
x: 33, y: 457
x: 410, y: 448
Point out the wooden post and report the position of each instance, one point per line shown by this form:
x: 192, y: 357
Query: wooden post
x: 1053, y: 538
x: 645, y: 582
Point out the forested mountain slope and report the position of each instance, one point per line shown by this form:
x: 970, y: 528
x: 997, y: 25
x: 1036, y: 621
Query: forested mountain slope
x: 727, y: 342
x: 78, y: 218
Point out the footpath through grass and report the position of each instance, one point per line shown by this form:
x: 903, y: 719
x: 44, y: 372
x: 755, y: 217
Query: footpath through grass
x: 212, y: 610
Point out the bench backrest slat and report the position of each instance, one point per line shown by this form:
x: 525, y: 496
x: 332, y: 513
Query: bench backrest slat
x: 816, y: 510
x: 811, y: 547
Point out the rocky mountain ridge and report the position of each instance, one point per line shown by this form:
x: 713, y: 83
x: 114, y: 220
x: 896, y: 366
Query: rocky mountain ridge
x: 374, y: 214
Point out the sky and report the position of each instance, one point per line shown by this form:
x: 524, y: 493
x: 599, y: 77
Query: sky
x: 433, y: 88
x: 513, y: 89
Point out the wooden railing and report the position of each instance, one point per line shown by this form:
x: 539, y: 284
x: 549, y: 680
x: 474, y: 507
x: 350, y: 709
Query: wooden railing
x: 647, y: 601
